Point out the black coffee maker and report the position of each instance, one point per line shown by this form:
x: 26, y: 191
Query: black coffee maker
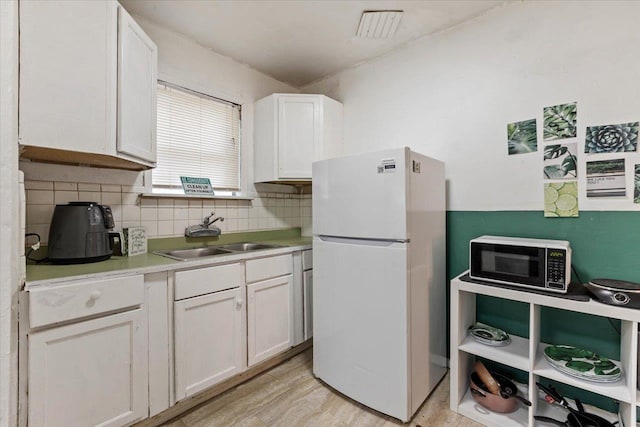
x: 79, y: 233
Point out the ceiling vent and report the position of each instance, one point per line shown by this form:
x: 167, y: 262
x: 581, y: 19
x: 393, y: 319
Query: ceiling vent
x: 378, y: 24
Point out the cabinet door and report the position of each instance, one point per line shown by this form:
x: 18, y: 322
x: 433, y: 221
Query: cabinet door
x: 68, y: 75
x: 307, y: 284
x: 90, y: 373
x: 269, y: 318
x: 137, y: 81
x: 208, y: 340
x: 299, y: 131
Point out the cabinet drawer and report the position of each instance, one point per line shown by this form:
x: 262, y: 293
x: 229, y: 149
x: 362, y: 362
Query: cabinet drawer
x: 63, y: 303
x: 307, y: 260
x: 202, y: 281
x: 266, y: 268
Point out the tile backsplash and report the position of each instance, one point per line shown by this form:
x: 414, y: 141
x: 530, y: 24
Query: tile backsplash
x: 167, y: 217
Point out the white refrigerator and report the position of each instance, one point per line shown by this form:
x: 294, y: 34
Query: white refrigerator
x: 379, y: 278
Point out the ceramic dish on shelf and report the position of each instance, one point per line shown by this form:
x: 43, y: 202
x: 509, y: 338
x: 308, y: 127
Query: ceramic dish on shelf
x: 489, y: 335
x: 583, y: 364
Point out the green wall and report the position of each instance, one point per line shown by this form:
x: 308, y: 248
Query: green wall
x: 604, y: 245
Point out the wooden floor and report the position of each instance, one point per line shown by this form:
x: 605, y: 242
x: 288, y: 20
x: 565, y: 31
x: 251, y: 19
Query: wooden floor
x: 289, y: 395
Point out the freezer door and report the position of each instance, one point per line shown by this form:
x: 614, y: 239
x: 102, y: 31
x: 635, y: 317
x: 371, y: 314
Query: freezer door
x: 360, y: 321
x: 362, y: 195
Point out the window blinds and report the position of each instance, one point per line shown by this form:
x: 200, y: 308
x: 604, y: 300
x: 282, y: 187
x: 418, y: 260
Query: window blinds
x: 198, y: 136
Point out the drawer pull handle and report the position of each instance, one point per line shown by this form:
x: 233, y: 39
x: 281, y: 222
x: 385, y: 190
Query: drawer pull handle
x: 95, y: 295
x: 239, y: 302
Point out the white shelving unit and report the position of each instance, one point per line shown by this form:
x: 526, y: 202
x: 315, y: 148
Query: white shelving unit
x: 527, y: 355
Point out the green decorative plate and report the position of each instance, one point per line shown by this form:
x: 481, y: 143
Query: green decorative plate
x: 489, y: 335
x: 583, y: 364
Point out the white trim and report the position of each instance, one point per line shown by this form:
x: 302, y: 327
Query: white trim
x: 190, y: 196
x: 34, y: 171
x: 10, y: 280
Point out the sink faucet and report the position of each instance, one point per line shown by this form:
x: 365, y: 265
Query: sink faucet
x: 204, y: 229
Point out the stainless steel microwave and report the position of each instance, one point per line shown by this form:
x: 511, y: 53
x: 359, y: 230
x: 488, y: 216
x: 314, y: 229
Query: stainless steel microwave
x: 530, y: 263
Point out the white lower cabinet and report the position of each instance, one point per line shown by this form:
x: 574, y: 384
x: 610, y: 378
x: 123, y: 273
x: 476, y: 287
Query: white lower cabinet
x: 208, y: 340
x: 173, y: 336
x: 269, y: 317
x: 90, y: 373
x: 307, y: 285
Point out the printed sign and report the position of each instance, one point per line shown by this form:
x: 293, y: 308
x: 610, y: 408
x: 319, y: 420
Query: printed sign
x: 197, y: 186
x: 387, y: 166
x: 135, y: 240
x: 606, y: 178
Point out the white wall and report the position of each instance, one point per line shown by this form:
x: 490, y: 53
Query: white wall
x: 10, y: 273
x: 183, y: 62
x: 451, y: 95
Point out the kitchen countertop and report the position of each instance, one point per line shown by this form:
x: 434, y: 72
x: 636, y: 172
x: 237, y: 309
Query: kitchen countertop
x: 48, y: 274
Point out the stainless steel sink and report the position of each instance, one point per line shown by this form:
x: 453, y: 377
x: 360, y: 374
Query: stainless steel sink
x: 186, y: 254
x: 246, y: 247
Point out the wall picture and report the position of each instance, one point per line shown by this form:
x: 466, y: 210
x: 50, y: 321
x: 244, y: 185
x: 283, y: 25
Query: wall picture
x: 636, y: 191
x: 560, y: 161
x: 560, y: 121
x: 606, y: 178
x: 522, y: 137
x: 612, y: 138
x: 561, y: 199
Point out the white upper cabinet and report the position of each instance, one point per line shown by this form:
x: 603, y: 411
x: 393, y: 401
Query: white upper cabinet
x: 291, y: 132
x: 137, y: 82
x: 68, y: 74
x: 87, y: 90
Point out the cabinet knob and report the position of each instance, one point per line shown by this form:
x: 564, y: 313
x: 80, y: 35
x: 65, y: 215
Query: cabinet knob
x: 239, y: 302
x: 95, y: 295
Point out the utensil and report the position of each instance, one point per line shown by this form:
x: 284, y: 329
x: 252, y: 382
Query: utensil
x: 493, y: 402
x: 492, y: 385
x: 508, y: 388
x: 576, y: 418
x: 553, y: 421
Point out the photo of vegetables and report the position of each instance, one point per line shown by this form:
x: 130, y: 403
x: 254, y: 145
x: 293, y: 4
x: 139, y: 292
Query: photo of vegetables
x: 522, y: 137
x: 612, y: 138
x: 560, y: 121
x: 606, y: 178
x: 636, y: 192
x: 560, y: 161
x: 561, y: 199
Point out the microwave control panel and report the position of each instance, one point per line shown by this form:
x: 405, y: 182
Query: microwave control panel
x: 556, y: 268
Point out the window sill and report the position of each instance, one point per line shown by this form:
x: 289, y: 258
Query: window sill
x: 190, y: 196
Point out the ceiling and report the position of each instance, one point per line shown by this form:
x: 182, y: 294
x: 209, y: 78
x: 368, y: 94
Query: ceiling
x: 298, y: 42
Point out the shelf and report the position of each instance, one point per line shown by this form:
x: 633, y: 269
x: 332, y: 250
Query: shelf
x: 618, y: 390
x: 471, y: 409
x: 588, y: 307
x: 516, y: 354
x: 528, y: 355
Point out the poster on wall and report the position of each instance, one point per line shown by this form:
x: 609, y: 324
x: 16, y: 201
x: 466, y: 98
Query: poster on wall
x: 522, y: 137
x: 606, y: 178
x: 560, y: 121
x: 636, y: 192
x: 561, y: 199
x: 560, y: 161
x: 612, y: 138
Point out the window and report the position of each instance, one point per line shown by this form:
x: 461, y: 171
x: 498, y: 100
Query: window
x: 198, y: 136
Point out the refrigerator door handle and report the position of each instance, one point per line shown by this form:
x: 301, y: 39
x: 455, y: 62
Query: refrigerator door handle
x: 361, y: 241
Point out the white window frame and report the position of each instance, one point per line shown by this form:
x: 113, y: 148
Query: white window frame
x: 240, y: 193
